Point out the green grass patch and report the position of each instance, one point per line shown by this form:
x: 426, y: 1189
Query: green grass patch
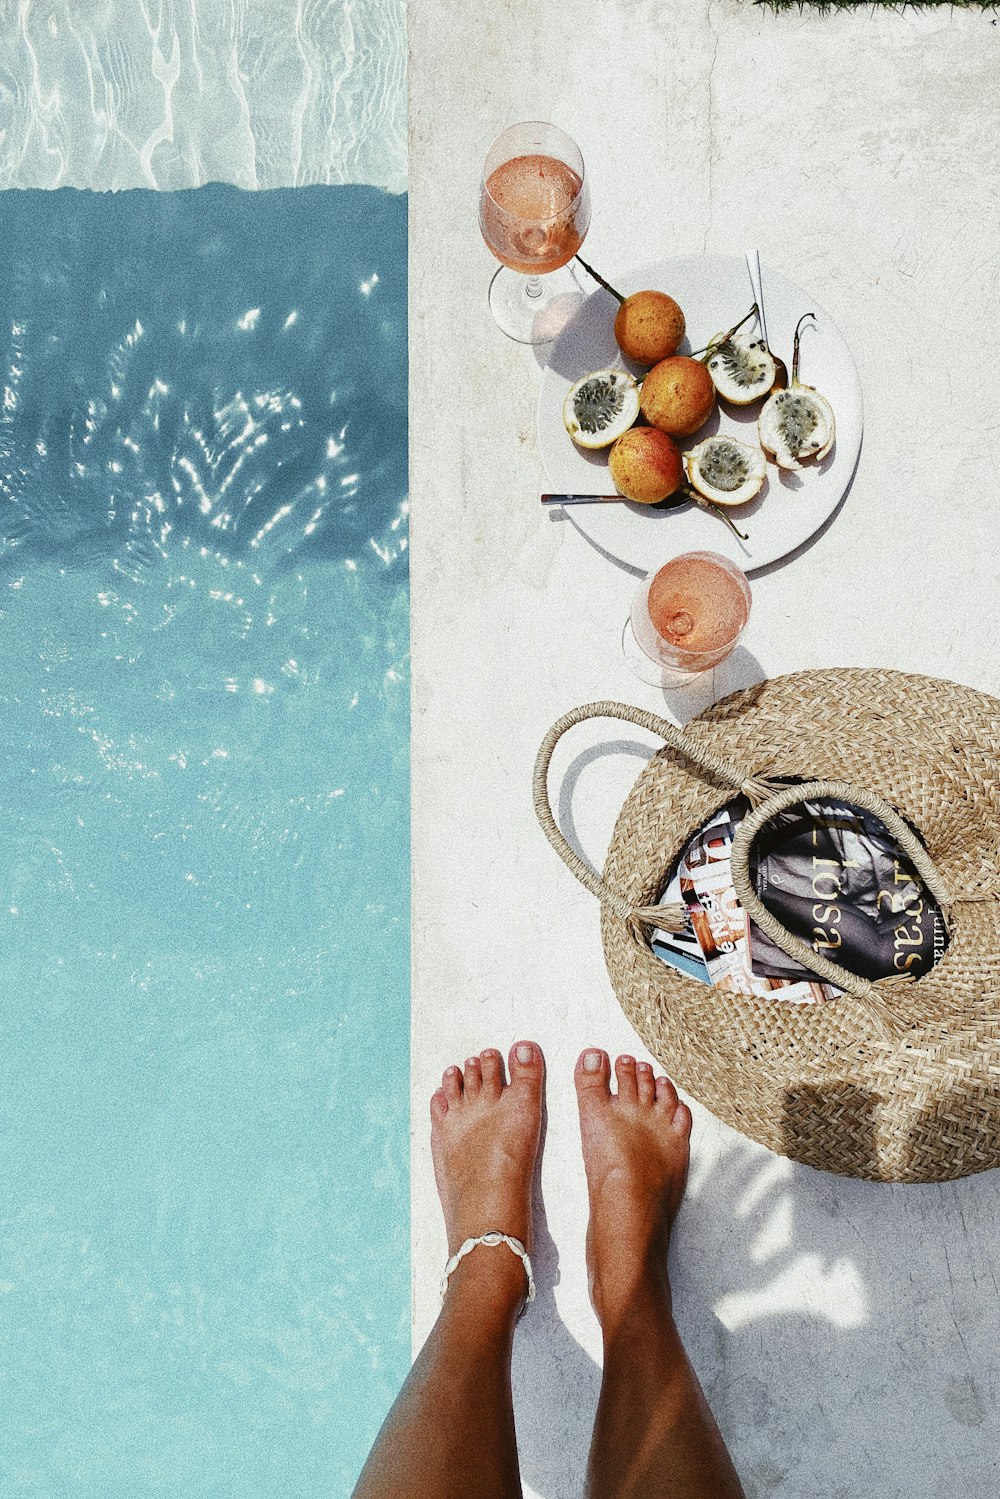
x: 882, y: 4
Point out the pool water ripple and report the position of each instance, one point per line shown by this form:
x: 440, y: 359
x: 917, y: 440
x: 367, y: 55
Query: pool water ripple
x: 204, y: 883
x: 169, y: 95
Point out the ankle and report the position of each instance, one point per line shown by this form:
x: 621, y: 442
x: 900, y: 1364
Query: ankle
x: 491, y: 1279
x: 631, y: 1296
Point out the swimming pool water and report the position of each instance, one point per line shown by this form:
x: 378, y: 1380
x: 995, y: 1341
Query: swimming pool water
x: 204, y: 1239
x: 172, y: 93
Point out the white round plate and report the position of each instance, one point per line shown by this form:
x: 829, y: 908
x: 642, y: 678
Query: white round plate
x: 714, y: 292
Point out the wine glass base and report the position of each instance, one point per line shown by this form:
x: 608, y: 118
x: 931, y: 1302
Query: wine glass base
x: 532, y: 317
x: 653, y: 672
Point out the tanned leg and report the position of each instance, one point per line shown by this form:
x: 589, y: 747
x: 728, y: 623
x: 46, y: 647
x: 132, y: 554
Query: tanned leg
x: 654, y: 1436
x: 451, y: 1431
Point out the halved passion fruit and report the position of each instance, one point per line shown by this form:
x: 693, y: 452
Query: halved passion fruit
x: 797, y: 423
x: 741, y: 366
x: 600, y: 407
x: 725, y: 471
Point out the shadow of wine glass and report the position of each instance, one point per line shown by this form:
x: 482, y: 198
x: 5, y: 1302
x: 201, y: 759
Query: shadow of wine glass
x: 550, y: 322
x: 737, y: 672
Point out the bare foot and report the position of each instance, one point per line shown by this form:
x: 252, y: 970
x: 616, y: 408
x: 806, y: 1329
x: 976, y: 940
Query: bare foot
x: 635, y: 1151
x: 485, y: 1134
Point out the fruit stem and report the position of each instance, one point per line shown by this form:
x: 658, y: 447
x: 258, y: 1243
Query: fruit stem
x: 718, y: 342
x: 730, y: 523
x: 700, y: 499
x: 795, y: 345
x: 600, y: 279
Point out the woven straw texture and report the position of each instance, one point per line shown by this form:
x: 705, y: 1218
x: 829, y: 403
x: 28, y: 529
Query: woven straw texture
x: 820, y: 1083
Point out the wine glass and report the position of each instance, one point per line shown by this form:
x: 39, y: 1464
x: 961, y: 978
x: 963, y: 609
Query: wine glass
x: 686, y: 616
x: 534, y: 211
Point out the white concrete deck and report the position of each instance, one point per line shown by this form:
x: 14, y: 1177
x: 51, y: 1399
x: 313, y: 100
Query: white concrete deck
x: 846, y: 1333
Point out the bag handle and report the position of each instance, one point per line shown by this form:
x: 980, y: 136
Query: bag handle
x: 703, y: 758
x: 768, y: 801
x: 795, y: 947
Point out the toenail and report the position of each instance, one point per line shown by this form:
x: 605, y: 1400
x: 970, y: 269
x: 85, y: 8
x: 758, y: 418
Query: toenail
x: 471, y: 1061
x: 592, y: 1061
x: 524, y: 1052
x: 452, y: 1071
x: 626, y: 1060
x: 644, y: 1067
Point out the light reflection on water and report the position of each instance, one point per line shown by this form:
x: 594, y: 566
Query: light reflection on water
x: 203, y: 780
x: 166, y: 95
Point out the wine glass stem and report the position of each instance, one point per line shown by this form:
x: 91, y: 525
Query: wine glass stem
x: 534, y: 286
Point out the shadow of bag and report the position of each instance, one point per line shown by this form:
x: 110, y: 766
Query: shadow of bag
x: 898, y: 1079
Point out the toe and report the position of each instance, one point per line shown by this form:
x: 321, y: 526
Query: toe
x: 681, y: 1121
x: 592, y: 1075
x: 666, y: 1095
x: 473, y: 1078
x: 491, y: 1064
x: 526, y: 1064
x: 439, y: 1106
x: 646, y: 1083
x: 452, y: 1084
x: 625, y: 1076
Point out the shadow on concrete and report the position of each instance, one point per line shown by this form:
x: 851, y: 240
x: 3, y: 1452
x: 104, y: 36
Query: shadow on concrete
x: 810, y: 541
x: 619, y: 562
x: 741, y: 670
x: 556, y: 1385
x: 844, y: 1330
x: 567, y: 789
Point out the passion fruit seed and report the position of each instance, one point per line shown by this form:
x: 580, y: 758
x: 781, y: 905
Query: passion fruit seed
x: 745, y: 364
x: 798, y: 420
x: 741, y: 365
x: 725, y: 465
x: 598, y: 403
x: 600, y: 407
x: 721, y: 338
x: 725, y: 471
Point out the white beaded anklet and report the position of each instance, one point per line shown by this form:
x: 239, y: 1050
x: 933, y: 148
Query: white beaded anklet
x: 491, y: 1240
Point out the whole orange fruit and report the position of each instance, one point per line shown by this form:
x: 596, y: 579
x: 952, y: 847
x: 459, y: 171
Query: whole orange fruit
x: 646, y: 465
x: 649, y: 326
x: 677, y: 395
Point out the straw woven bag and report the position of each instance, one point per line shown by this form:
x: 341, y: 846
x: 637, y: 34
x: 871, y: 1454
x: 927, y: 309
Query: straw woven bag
x: 898, y: 1080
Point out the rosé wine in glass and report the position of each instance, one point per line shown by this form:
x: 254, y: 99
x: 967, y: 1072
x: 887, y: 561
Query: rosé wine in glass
x: 690, y: 614
x: 527, y: 213
x: 534, y: 211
